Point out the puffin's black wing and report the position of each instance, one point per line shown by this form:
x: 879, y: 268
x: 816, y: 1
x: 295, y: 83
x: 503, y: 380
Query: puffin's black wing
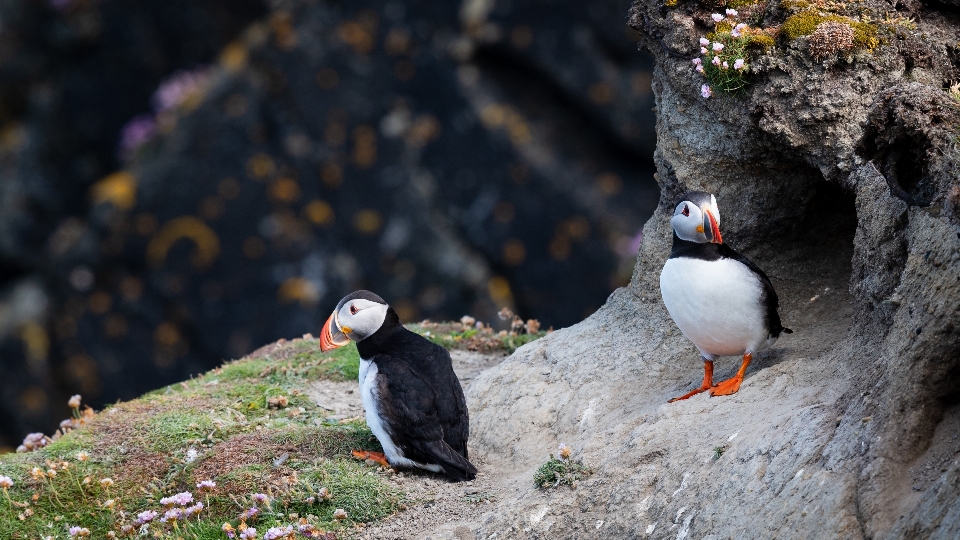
x: 768, y: 297
x: 425, y: 409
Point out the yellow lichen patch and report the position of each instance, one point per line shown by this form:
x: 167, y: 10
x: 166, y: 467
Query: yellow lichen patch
x: 806, y: 23
x: 118, y: 189
x: 739, y: 4
x: 600, y: 93
x: 406, y: 309
x: 355, y: 35
x: 609, y: 183
x: 514, y: 252
x: 496, y: 115
x: 234, y: 56
x: 319, y: 213
x: 285, y: 190
x: 331, y: 174
x: 760, y: 40
x: 167, y: 334
x: 499, y: 290
x: 298, y: 289
x: 285, y: 36
x: 397, y: 42
x: 367, y: 221
x: 185, y: 227
x: 36, y: 342
x: 99, y: 302
x: 260, y: 166
x: 364, y: 146
x: 425, y: 128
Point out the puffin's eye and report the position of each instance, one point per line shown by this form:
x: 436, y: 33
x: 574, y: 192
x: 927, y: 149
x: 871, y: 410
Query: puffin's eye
x: 686, y: 210
x: 353, y: 309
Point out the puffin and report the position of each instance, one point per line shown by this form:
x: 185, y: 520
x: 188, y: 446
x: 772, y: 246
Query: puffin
x: 412, y: 398
x: 719, y: 299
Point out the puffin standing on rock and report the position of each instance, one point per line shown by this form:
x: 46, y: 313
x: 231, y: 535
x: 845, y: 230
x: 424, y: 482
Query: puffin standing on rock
x: 720, y: 300
x: 413, y: 400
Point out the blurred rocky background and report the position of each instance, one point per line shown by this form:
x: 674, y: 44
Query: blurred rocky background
x: 182, y: 181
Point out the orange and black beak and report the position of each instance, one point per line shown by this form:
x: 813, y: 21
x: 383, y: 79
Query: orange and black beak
x: 331, y: 336
x: 711, y: 228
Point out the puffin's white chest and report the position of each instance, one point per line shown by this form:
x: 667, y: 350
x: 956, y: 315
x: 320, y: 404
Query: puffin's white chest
x: 716, y: 304
x: 376, y: 422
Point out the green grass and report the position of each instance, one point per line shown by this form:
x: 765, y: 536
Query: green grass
x: 221, y: 427
x: 558, y: 471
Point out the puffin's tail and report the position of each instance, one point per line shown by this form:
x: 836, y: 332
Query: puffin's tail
x: 457, y: 467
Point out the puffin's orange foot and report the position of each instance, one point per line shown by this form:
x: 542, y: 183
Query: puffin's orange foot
x: 727, y: 387
x: 372, y: 456
x: 691, y: 393
x: 706, y: 385
x: 731, y: 385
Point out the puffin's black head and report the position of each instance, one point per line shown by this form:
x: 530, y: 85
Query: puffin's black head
x: 358, y: 316
x: 697, y: 218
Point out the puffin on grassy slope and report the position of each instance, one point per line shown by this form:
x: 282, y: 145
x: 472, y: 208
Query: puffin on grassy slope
x: 413, y: 400
x: 720, y: 300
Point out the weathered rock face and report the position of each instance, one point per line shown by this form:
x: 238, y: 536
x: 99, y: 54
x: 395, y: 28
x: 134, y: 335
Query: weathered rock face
x: 454, y: 157
x: 72, y: 73
x: 840, y: 180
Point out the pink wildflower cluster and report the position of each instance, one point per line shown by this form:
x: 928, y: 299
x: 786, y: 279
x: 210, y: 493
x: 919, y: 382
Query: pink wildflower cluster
x: 36, y: 441
x: 206, y: 485
x: 79, y: 532
x: 280, y: 533
x: 6, y: 482
x: 176, y: 89
x: 146, y: 517
x: 173, y: 92
x: 722, y: 59
x: 33, y: 441
x: 181, y: 499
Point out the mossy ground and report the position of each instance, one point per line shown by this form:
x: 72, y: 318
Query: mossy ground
x: 247, y: 425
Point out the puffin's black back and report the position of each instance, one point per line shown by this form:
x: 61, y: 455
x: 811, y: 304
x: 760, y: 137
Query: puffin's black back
x: 420, y: 397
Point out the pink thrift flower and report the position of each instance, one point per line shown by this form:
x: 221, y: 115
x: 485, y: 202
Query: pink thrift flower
x: 704, y: 42
x: 206, y: 485
x: 696, y: 61
x: 146, y: 517
x: 705, y: 91
x: 716, y: 17
x: 724, y: 65
x: 699, y: 69
x: 738, y: 64
x: 740, y: 27
x: 715, y: 61
x: 248, y: 534
x: 703, y: 50
x: 735, y: 33
x: 6, y: 482
x: 717, y: 46
x: 731, y: 12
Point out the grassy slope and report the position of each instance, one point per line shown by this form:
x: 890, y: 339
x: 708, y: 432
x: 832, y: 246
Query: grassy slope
x: 221, y: 427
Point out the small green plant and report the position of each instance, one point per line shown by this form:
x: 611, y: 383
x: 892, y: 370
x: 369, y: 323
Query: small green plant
x: 954, y: 92
x: 725, y: 51
x: 560, y: 470
x: 718, y: 452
